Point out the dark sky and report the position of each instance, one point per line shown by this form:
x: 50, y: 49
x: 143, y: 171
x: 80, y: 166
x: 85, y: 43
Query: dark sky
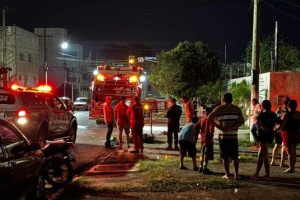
x: 160, y: 24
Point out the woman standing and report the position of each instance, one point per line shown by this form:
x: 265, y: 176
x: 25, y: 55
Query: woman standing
x: 266, y: 122
x: 281, y: 111
x: 290, y: 133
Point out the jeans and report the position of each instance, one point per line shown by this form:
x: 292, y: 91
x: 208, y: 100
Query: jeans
x: 110, y: 127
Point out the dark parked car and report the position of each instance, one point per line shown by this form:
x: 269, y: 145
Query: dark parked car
x: 21, y: 165
x: 39, y: 114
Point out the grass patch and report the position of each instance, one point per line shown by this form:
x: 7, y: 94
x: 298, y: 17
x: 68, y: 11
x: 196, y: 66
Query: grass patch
x: 245, y: 158
x: 245, y: 143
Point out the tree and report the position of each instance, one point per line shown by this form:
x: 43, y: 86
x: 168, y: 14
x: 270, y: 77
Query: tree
x: 166, y: 73
x: 193, y: 65
x: 288, y: 55
x: 212, y: 92
x: 241, y: 93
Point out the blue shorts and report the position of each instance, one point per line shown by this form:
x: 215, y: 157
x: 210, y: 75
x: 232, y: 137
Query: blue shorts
x: 229, y: 149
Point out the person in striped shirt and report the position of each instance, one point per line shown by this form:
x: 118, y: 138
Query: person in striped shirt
x: 228, y: 118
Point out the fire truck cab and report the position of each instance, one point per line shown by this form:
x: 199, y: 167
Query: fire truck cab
x: 114, y: 82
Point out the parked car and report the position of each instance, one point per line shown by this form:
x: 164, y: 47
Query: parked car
x: 68, y: 102
x: 81, y: 103
x: 40, y: 115
x: 21, y: 165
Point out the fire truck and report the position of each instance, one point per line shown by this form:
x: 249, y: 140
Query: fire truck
x: 114, y: 82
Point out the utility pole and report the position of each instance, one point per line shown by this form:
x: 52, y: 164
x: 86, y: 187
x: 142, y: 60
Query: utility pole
x: 65, y: 82
x: 255, y: 52
x: 4, y: 35
x: 44, y: 36
x: 45, y: 58
x: 276, y: 48
x: 225, y: 55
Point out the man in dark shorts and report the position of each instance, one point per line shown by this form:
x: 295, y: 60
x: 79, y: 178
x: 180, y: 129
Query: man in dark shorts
x: 173, y: 115
x: 228, y: 118
x: 187, y: 143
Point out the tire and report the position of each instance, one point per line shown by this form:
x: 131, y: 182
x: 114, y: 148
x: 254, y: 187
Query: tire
x: 42, y: 136
x: 73, y: 134
x: 39, y: 189
x: 56, y: 177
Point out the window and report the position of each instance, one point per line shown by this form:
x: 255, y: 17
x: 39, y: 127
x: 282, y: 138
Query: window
x: 30, y: 58
x: 21, y: 56
x: 29, y: 99
x: 13, y: 144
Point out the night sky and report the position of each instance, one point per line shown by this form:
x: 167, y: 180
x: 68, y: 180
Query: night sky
x: 160, y: 24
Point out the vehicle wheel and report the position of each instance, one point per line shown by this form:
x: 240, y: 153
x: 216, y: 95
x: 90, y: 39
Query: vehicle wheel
x: 73, y: 133
x: 43, y: 136
x: 60, y: 175
x: 39, y: 189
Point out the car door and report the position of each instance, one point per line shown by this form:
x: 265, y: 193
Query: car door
x: 4, y: 173
x: 60, y: 111
x: 23, y: 165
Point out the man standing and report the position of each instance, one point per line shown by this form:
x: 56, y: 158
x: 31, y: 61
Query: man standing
x: 108, y: 119
x: 255, y: 110
x: 136, y: 117
x: 228, y: 118
x: 189, y: 109
x: 122, y: 120
x: 173, y: 116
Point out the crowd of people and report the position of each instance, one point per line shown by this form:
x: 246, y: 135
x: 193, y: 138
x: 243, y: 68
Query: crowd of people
x: 283, y: 126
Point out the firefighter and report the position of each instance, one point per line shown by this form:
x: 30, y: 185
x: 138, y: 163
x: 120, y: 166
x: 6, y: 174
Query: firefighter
x: 109, y: 119
x: 173, y: 115
x: 122, y: 120
x: 136, y: 117
x: 189, y: 109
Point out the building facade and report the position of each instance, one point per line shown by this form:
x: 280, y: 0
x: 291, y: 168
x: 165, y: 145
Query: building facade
x: 22, y: 56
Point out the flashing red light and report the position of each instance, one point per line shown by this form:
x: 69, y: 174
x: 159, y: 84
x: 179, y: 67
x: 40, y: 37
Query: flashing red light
x: 22, y: 113
x: 14, y: 87
x: 44, y: 88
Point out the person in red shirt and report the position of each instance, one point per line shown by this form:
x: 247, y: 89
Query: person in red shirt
x: 108, y: 119
x: 206, y: 129
x: 189, y: 109
x: 122, y: 120
x: 135, y: 114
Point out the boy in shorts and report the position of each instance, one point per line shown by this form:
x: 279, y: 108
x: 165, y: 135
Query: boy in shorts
x: 206, y: 129
x: 187, y: 143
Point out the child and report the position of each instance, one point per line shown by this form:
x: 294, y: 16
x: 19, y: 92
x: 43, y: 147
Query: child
x: 187, y: 143
x: 206, y: 129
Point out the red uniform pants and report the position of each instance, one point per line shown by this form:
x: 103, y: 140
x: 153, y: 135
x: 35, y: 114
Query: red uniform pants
x: 137, y: 137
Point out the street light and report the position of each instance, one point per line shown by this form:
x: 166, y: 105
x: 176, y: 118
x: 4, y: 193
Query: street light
x: 64, y: 45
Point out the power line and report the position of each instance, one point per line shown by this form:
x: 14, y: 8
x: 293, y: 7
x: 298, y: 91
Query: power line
x: 287, y: 14
x: 291, y: 3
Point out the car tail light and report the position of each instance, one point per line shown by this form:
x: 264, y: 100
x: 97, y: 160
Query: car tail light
x: 22, y: 113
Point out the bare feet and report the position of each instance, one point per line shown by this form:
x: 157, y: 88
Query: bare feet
x: 273, y: 164
x: 289, y: 171
x: 284, y: 165
x: 225, y: 176
x: 254, y: 176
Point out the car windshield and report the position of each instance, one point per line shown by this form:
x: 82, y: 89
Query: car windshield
x: 81, y: 100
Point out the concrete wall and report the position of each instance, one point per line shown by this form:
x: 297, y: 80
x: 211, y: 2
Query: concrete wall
x: 22, y: 56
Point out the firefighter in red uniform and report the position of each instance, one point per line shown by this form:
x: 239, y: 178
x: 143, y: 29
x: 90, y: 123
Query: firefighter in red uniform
x: 122, y: 120
x: 136, y: 117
